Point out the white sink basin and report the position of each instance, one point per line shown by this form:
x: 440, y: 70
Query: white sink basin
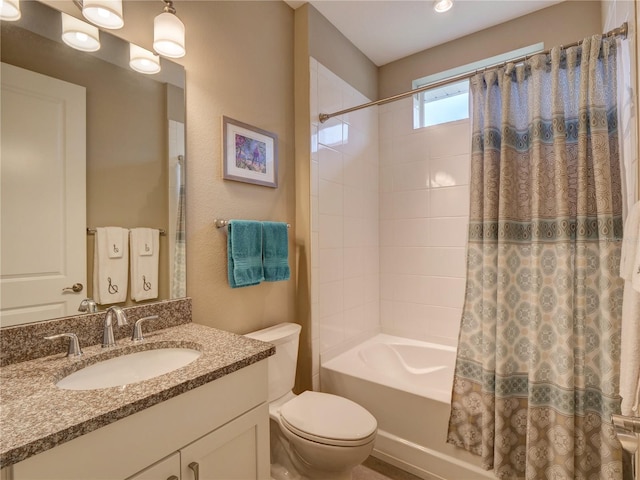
x: 130, y: 368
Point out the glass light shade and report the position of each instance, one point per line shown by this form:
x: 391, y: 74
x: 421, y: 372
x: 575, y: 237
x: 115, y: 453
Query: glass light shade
x: 79, y: 35
x: 442, y: 6
x: 104, y: 13
x: 168, y: 35
x: 10, y: 10
x: 142, y: 60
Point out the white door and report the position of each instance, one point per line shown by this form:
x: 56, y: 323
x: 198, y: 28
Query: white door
x: 43, y: 182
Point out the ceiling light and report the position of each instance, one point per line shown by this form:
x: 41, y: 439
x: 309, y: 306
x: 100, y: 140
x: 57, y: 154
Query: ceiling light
x: 142, y: 60
x: 104, y: 13
x: 442, y: 6
x: 168, y: 33
x: 79, y: 35
x: 10, y: 10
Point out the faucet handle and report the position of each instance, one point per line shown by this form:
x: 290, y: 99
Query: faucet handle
x: 137, y: 336
x: 74, y: 345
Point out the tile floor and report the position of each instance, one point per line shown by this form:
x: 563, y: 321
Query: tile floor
x: 374, y: 469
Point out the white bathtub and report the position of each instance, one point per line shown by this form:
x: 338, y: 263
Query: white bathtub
x: 406, y: 384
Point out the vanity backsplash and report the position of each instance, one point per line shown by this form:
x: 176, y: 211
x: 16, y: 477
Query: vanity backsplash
x: 21, y: 343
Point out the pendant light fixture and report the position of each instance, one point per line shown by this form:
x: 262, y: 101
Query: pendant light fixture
x: 79, y: 35
x: 442, y: 6
x: 168, y: 33
x: 104, y: 13
x: 142, y: 60
x: 10, y: 10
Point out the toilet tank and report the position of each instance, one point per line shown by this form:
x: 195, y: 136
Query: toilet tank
x: 281, y: 365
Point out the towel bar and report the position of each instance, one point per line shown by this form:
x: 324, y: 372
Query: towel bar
x: 629, y: 423
x: 219, y: 223
x: 92, y: 231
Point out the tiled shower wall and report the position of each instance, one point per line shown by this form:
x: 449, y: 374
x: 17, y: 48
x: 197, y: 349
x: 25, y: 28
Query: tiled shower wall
x: 344, y: 218
x: 389, y: 221
x: 424, y: 212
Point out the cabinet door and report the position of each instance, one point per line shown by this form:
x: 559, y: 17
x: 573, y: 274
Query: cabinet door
x: 166, y: 469
x: 238, y: 450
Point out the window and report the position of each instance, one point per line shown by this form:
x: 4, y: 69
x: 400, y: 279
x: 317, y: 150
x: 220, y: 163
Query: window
x: 444, y: 104
x: 450, y: 102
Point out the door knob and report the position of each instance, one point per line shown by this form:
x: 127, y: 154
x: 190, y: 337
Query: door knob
x: 76, y: 287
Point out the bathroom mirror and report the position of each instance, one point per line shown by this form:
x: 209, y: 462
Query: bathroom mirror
x: 135, y: 144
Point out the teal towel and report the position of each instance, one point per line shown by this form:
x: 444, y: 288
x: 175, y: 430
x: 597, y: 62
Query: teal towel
x: 275, y: 251
x: 244, y: 253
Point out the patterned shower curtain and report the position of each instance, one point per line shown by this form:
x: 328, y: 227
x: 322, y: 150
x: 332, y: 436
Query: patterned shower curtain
x: 537, y: 368
x: 179, y: 276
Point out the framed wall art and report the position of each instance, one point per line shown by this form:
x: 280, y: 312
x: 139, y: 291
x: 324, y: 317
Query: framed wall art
x: 250, y: 154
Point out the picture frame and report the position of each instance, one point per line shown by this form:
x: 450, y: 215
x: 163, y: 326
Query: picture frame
x: 250, y: 154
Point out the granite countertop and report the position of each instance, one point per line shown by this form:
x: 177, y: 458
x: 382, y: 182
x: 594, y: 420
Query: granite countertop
x: 36, y: 415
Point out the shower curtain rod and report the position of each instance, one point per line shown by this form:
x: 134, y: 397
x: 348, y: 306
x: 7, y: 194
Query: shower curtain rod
x: 621, y: 31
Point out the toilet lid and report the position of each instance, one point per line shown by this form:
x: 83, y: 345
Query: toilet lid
x: 328, y: 419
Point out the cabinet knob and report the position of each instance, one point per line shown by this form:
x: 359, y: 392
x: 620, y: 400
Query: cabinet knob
x: 196, y: 470
x: 173, y: 477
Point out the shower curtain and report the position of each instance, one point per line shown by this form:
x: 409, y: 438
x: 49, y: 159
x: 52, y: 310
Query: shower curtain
x: 538, y: 354
x: 179, y: 276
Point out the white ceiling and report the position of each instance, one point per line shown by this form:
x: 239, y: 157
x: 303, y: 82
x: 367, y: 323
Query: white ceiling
x: 386, y: 30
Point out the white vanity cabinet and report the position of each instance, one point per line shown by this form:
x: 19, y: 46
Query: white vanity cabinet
x: 229, y: 453
x: 222, y: 426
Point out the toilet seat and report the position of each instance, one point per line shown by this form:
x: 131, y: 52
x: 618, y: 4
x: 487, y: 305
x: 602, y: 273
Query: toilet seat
x: 328, y: 419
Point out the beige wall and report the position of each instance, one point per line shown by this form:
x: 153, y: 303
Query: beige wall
x: 351, y: 64
x: 239, y: 64
x: 302, y: 88
x: 565, y: 23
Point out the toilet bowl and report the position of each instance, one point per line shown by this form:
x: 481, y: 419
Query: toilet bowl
x: 313, y: 435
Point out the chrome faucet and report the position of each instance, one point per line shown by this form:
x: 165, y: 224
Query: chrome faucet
x: 88, y: 305
x: 121, y: 318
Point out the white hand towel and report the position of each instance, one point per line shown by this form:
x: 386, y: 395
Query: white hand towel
x: 144, y: 265
x: 630, y: 254
x: 630, y: 345
x: 115, y: 241
x: 145, y: 241
x: 110, y: 274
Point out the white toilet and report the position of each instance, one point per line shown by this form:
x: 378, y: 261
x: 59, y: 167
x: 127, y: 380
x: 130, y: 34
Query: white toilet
x: 313, y: 435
